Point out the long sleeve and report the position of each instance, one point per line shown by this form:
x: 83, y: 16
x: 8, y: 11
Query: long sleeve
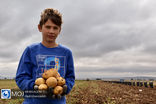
x: 24, y: 78
x: 70, y: 73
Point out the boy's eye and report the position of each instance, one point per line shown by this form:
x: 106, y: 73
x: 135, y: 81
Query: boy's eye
x: 48, y: 27
x: 55, y: 27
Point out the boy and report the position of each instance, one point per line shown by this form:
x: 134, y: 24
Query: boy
x: 42, y: 56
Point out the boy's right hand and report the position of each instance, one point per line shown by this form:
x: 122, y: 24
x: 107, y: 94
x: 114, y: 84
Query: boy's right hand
x: 50, y: 92
x: 35, y: 87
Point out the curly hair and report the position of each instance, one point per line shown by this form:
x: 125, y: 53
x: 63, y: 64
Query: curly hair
x: 51, y: 14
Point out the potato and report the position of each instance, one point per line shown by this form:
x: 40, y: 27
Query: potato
x: 39, y: 81
x: 51, y: 82
x: 58, y: 90
x: 49, y: 73
x: 43, y: 87
x: 57, y: 75
x: 60, y: 81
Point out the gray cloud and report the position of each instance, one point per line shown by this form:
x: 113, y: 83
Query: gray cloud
x: 121, y: 69
x: 91, y: 29
x: 115, y: 26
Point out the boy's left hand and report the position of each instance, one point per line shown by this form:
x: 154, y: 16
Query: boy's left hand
x: 64, y: 90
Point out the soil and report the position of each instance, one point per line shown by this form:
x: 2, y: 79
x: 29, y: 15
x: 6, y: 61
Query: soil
x: 100, y: 92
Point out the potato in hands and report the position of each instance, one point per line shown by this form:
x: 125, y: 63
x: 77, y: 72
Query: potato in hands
x: 51, y: 79
x: 60, y: 81
x: 39, y: 81
x: 50, y: 73
x: 51, y: 82
x: 58, y: 90
x: 43, y: 87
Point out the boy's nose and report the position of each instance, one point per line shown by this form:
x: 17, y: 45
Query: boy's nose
x: 51, y: 30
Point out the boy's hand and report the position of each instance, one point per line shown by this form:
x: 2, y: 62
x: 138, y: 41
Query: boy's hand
x: 64, y: 90
x: 57, y: 96
x: 50, y: 92
x: 35, y: 87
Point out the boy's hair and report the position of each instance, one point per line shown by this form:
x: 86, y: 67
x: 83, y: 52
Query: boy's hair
x: 51, y: 14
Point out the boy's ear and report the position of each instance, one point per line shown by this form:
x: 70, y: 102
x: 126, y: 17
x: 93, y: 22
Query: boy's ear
x: 39, y: 28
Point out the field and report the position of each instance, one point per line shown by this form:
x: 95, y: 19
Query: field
x: 97, y: 92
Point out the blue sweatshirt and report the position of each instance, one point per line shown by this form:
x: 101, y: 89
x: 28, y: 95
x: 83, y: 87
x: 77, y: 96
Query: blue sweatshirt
x: 35, y: 60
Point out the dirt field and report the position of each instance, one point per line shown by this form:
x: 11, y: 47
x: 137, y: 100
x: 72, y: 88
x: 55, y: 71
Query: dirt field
x: 99, y: 92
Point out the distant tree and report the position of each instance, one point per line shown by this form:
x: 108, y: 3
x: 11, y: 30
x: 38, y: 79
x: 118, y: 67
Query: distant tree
x: 98, y: 78
x: 151, y: 79
x: 87, y: 79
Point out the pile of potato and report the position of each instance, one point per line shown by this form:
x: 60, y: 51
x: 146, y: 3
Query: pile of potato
x: 51, y: 79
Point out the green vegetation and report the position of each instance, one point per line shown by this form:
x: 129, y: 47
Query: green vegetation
x: 10, y: 84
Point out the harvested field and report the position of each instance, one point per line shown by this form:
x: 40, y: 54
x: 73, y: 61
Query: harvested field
x: 99, y: 92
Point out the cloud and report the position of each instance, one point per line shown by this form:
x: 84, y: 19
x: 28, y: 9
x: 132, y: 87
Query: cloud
x: 115, y: 26
x: 105, y: 36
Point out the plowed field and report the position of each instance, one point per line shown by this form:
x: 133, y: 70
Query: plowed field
x: 98, y: 92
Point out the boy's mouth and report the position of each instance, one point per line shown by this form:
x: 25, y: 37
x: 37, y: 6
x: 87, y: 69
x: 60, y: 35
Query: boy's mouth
x: 51, y: 37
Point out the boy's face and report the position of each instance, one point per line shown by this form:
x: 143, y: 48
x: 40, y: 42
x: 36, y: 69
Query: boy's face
x: 50, y: 31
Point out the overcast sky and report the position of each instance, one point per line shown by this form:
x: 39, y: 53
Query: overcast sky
x: 108, y: 38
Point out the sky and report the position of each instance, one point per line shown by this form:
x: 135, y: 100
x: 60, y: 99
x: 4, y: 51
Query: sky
x: 108, y: 38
